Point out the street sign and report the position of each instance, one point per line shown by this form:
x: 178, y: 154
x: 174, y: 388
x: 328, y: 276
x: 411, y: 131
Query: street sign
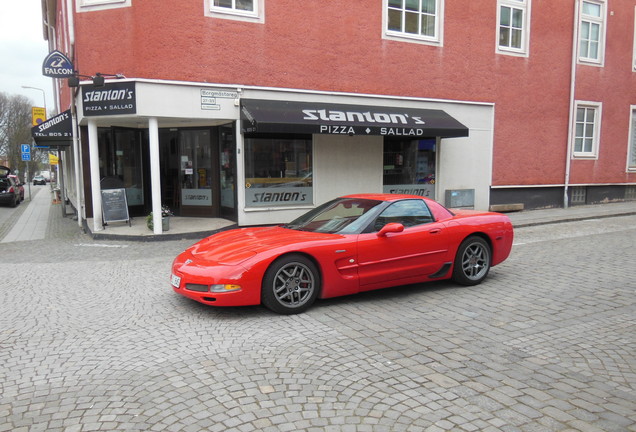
x: 25, y: 149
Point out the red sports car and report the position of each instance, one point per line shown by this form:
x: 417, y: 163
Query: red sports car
x: 351, y: 244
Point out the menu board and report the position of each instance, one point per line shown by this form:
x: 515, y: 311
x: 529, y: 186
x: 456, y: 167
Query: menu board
x: 114, y: 206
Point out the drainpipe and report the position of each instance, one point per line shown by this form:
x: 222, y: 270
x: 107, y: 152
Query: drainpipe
x: 568, y: 156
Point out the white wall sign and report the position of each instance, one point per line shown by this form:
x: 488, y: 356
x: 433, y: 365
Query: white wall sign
x: 196, y: 197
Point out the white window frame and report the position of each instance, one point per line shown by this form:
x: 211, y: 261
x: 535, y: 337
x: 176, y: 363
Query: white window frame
x: 593, y: 153
x: 93, y: 5
x: 631, y: 141
x: 524, y: 6
x: 256, y: 16
x: 602, y: 23
x: 436, y: 40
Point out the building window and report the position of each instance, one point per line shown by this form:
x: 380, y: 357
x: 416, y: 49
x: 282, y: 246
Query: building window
x: 587, y: 129
x: 243, y: 10
x: 409, y: 167
x: 631, y: 154
x: 578, y: 195
x: 514, y: 27
x: 278, y: 172
x: 418, y: 20
x: 91, y: 5
x: 592, y: 32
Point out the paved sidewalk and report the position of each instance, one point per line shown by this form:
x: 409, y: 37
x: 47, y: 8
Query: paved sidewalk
x: 558, y: 215
x: 33, y: 222
x: 38, y: 221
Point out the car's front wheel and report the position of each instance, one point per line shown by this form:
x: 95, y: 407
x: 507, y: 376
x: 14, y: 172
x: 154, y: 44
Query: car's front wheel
x: 472, y: 262
x: 290, y: 285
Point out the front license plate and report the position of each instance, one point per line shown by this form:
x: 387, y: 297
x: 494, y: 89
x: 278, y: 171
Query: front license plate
x: 175, y: 281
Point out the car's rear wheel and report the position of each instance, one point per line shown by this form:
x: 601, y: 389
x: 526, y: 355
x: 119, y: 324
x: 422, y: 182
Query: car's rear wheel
x: 290, y: 285
x: 472, y: 262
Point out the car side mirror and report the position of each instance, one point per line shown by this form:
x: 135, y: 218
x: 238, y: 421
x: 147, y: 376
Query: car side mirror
x: 390, y: 228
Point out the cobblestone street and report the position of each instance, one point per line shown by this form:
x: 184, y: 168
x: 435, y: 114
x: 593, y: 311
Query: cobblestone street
x: 92, y: 338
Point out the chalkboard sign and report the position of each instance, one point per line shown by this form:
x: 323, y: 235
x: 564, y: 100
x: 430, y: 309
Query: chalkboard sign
x: 114, y: 206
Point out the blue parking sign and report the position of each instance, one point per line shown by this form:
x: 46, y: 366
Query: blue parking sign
x: 26, y: 148
x: 26, y: 156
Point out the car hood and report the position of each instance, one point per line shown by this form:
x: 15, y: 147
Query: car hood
x: 236, y: 246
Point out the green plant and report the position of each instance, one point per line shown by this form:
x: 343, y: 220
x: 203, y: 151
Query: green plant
x: 165, y: 212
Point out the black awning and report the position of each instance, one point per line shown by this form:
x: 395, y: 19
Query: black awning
x: 56, y: 131
x: 259, y: 116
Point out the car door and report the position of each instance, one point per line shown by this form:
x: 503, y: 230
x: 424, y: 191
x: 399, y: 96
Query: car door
x: 417, y: 251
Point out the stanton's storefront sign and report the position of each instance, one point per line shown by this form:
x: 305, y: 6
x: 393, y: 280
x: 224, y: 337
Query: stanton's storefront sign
x: 57, y: 65
x: 56, y: 131
x: 276, y: 196
x: 260, y: 116
x: 112, y: 99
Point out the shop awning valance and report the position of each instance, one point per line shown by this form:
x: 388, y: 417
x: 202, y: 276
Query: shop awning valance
x: 55, y: 132
x: 260, y: 116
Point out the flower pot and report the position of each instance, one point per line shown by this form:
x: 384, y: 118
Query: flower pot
x: 165, y: 223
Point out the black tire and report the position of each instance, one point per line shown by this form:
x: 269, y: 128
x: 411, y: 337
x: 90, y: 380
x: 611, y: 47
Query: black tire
x: 472, y: 262
x: 290, y: 285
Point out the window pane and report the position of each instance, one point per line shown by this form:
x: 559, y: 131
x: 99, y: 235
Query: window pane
x: 428, y: 6
x: 246, y: 5
x: 504, y: 37
x: 578, y: 145
x: 278, y: 171
x: 411, y: 24
x: 588, y: 145
x: 592, y: 9
x: 428, y: 25
x: 223, y: 3
x: 396, y: 3
x: 580, y: 114
x: 595, y: 31
x: 585, y: 30
x: 412, y: 5
x: 517, y: 18
x: 505, y: 16
x: 516, y: 39
x: 395, y: 20
x: 579, y: 129
x: 590, y: 115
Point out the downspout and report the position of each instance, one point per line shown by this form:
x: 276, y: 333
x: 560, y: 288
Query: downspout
x: 51, y: 37
x: 77, y: 150
x: 568, y: 156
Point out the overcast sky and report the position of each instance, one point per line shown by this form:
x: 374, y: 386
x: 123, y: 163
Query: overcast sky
x: 22, y: 50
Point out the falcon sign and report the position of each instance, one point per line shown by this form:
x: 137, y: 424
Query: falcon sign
x: 57, y: 65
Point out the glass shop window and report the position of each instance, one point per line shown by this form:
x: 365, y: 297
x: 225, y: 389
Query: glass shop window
x: 278, y: 172
x: 409, y: 167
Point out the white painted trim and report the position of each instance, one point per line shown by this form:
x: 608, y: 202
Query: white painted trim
x: 524, y: 51
x: 603, y: 36
x: 438, y: 40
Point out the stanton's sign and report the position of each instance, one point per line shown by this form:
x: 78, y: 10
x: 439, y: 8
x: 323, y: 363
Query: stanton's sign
x: 112, y: 99
x: 56, y: 131
x: 57, y: 65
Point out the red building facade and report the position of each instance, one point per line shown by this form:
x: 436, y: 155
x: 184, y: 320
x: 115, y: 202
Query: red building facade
x: 557, y: 79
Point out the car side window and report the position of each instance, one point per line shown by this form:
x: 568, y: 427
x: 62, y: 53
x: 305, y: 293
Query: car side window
x: 407, y: 212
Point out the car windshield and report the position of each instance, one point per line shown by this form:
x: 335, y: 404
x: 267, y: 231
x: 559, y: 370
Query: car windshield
x: 342, y: 216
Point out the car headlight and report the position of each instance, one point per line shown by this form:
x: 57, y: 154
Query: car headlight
x: 224, y: 288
